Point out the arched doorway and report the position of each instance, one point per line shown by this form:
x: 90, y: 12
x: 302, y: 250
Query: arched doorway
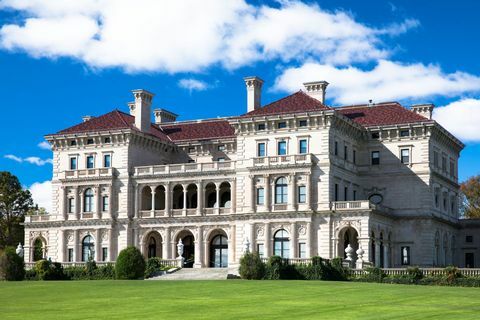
x: 153, y: 245
x: 219, y: 251
x: 188, y: 248
x: 281, y: 244
x: 39, y: 249
x: 347, y: 236
x: 88, y: 248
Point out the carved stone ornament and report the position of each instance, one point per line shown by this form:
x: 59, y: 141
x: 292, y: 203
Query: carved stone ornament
x: 260, y: 231
x: 302, y: 230
x: 70, y: 237
x: 105, y: 235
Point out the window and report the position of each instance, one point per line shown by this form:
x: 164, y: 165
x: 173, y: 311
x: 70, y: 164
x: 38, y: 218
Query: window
x: 445, y: 201
x: 302, y: 123
x: 281, y: 125
x: 191, y: 161
x: 88, y: 200
x: 221, y: 147
x: 73, y: 142
x: 336, y: 192
x: 375, y: 158
x: 260, y: 250
x: 281, y: 244
x: 452, y: 204
x: 261, y: 126
x: 302, y: 194
x: 435, y: 159
x: 88, y: 248
x: 302, y: 146
x: 354, y: 156
x: 90, y: 162
x: 335, y: 148
x: 404, y: 133
x: 302, y: 250
x: 105, y: 203
x: 452, y: 168
x: 375, y: 135
x: 191, y: 150
x: 345, y: 153
x: 345, y: 194
x: 90, y: 141
x: 70, y: 255
x: 71, y: 205
x: 107, y: 140
x: 73, y: 163
x: 260, y: 196
x: 405, y: 156
x: 261, y: 152
x: 444, y: 164
x: 405, y: 251
x: 469, y: 260
x: 354, y: 195
x: 221, y: 159
x: 281, y: 190
x: 437, y: 200
x: 104, y: 254
x: 469, y: 239
x: 282, y: 148
x: 107, y: 161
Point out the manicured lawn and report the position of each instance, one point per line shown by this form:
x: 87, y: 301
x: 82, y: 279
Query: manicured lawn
x: 234, y: 299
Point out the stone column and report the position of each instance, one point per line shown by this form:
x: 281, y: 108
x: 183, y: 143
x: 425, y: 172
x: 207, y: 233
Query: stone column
x: 206, y: 254
x: 233, y: 195
x: 377, y: 253
x: 77, y: 203
x: 62, y: 246
x: 309, y: 192
x: 168, y: 199
x: 309, y: 240
x: 231, y: 246
x: 111, y: 243
x: 253, y: 197
x: 200, y: 196
x: 98, y: 245
x: 166, y: 245
x: 77, y: 248
x: 267, y: 192
x: 253, y: 242
x: 64, y: 202
x: 184, y: 211
x: 110, y: 201
x: 217, y: 204
x: 98, y: 195
x: 198, y: 248
x: 386, y: 255
x: 153, y: 190
x: 268, y: 241
x: 136, y: 191
x: 292, y: 201
x: 293, y: 240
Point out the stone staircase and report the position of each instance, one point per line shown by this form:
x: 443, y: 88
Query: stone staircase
x: 196, y: 274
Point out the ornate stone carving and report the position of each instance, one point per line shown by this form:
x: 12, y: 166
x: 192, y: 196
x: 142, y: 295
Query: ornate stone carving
x: 105, y: 235
x: 69, y: 237
x: 260, y: 231
x: 302, y: 230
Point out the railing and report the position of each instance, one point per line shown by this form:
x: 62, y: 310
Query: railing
x: 87, y: 173
x: 87, y: 215
x: 184, y: 168
x: 466, y: 272
x: 224, y: 210
x: 163, y: 262
x: 280, y: 207
x: 282, y: 160
x: 351, y: 205
x: 37, y: 218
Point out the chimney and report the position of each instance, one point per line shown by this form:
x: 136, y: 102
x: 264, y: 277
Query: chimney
x: 143, y: 101
x: 164, y: 116
x: 131, y: 107
x: 316, y: 90
x: 424, y: 110
x: 87, y: 118
x: 254, y: 92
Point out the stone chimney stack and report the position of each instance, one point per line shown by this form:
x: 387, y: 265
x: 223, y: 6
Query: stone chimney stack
x: 254, y: 92
x: 425, y: 110
x: 131, y: 107
x: 316, y: 89
x: 164, y: 116
x: 143, y: 101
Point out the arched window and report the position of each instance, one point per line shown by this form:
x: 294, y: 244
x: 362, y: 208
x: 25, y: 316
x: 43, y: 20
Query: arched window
x: 88, y: 200
x: 281, y: 190
x: 38, y: 250
x: 88, y: 248
x: 152, y: 247
x: 281, y: 244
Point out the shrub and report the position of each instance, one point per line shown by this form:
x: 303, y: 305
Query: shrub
x: 130, y: 264
x: 12, y: 267
x: 414, y: 274
x: 75, y: 273
x: 31, y: 275
x: 90, y: 267
x: 153, y: 268
x: 374, y: 274
x: 47, y: 270
x: 273, y: 268
x: 251, y: 267
x: 451, y: 274
x: 106, y: 272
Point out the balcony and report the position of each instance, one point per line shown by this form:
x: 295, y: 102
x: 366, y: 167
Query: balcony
x: 87, y: 173
x: 298, y: 159
x: 184, y: 168
x: 351, y: 205
x: 37, y: 218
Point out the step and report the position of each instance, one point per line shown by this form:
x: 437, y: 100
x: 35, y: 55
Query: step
x: 196, y: 274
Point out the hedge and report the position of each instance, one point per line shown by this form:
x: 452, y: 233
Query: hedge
x: 130, y: 264
x: 12, y: 267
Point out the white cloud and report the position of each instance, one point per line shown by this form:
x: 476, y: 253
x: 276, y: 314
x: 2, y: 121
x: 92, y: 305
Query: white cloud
x: 32, y: 160
x: 193, y: 84
x: 190, y: 35
x: 42, y: 194
x: 387, y: 81
x: 461, y: 118
x: 44, y: 145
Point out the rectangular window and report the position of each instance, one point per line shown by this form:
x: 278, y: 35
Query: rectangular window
x: 281, y: 193
x: 469, y: 260
x: 404, y: 133
x: 354, y: 195
x: 191, y: 150
x: 345, y: 194
x: 444, y: 164
x: 405, y: 251
x: 354, y: 156
x: 73, y: 142
x: 435, y: 159
x: 70, y: 255
x: 302, y: 250
x: 89, y: 141
x: 437, y: 196
x: 452, y: 168
x: 345, y: 153
x: 445, y: 201
x: 221, y: 159
x: 303, y: 146
x: 282, y: 125
x: 261, y: 126
x: 260, y: 196
x: 107, y: 161
x: 405, y: 156
x: 261, y: 250
x: 302, y: 194
x: 73, y: 163
x: 105, y: 203
x: 335, y: 148
x: 375, y: 158
x: 469, y: 239
x: 71, y: 205
x: 107, y: 140
x: 336, y: 192
x: 282, y: 148
x: 452, y: 204
x: 221, y: 147
x: 191, y: 161
x: 104, y: 254
x: 261, y: 152
x: 302, y: 123
x: 375, y: 135
x: 90, y: 162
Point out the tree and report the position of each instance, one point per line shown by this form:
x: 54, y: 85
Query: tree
x: 130, y: 264
x: 14, y: 204
x: 471, y: 197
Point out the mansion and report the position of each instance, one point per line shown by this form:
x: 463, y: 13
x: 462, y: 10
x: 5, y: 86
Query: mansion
x: 294, y: 178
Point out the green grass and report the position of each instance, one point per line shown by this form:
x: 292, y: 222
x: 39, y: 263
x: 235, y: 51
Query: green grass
x: 234, y: 299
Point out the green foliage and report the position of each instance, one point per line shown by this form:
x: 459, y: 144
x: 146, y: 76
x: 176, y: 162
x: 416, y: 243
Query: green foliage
x: 415, y: 274
x: 47, y: 270
x: 451, y: 274
x: 373, y: 274
x: 12, y: 267
x: 251, y: 267
x: 31, y: 275
x: 130, y: 264
x: 154, y: 267
x: 90, y: 267
x: 106, y: 272
x: 470, y: 205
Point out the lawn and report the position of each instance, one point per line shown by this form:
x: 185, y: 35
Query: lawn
x: 234, y: 299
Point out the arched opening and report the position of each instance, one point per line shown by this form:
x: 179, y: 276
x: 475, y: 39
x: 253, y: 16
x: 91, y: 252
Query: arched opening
x: 372, y: 248
x: 178, y: 197
x: 188, y: 247
x: 281, y: 193
x: 153, y: 245
x: 347, y: 236
x: 281, y: 244
x: 382, y: 251
x: 192, y: 196
x: 210, y: 195
x: 39, y: 249
x: 88, y: 200
x: 225, y: 195
x: 219, y: 251
x: 160, y: 198
x: 146, y: 198
x: 88, y: 248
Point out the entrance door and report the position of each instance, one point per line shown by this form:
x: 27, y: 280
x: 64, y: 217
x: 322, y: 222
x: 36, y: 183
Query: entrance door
x: 469, y: 260
x: 188, y: 251
x: 219, y: 252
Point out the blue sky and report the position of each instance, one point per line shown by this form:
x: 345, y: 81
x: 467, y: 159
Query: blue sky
x: 60, y: 60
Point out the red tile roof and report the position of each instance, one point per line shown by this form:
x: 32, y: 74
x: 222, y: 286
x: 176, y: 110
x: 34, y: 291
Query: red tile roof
x: 297, y: 102
x: 198, y: 130
x: 389, y: 113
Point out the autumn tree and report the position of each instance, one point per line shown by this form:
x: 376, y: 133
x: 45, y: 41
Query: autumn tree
x: 14, y: 204
x: 471, y: 197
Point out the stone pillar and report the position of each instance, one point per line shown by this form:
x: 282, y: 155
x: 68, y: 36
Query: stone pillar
x: 377, y: 253
x: 309, y: 240
x: 166, y: 244
x: 267, y: 192
x: 77, y: 247
x: 64, y: 210
x: 217, y: 204
x: 136, y: 199
x: 206, y: 254
x: 231, y: 246
x: 233, y: 195
x: 386, y: 255
x: 98, y: 195
x: 198, y: 248
x: 200, y: 196
x: 98, y: 245
x: 110, y: 201
x: 253, y: 242
x: 268, y: 241
x: 168, y: 199
x: 293, y: 241
x: 62, y: 246
x: 253, y: 196
x: 292, y: 201
x: 152, y: 188
x: 309, y: 192
x: 77, y: 203
x: 184, y: 210
x: 111, y: 243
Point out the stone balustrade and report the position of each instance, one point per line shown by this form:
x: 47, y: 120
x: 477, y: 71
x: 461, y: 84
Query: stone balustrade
x: 87, y: 173
x: 163, y: 262
x: 37, y: 218
x: 184, y: 168
x: 351, y: 205
x: 282, y: 160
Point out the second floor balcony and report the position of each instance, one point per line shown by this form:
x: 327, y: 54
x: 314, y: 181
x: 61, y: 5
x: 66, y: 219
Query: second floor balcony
x: 87, y: 173
x: 273, y: 161
x: 180, y: 168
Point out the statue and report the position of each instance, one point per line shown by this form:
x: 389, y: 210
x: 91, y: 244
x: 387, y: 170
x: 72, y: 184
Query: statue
x: 349, y: 252
x: 19, y: 250
x: 180, y: 248
x: 360, y: 252
x: 246, y: 245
